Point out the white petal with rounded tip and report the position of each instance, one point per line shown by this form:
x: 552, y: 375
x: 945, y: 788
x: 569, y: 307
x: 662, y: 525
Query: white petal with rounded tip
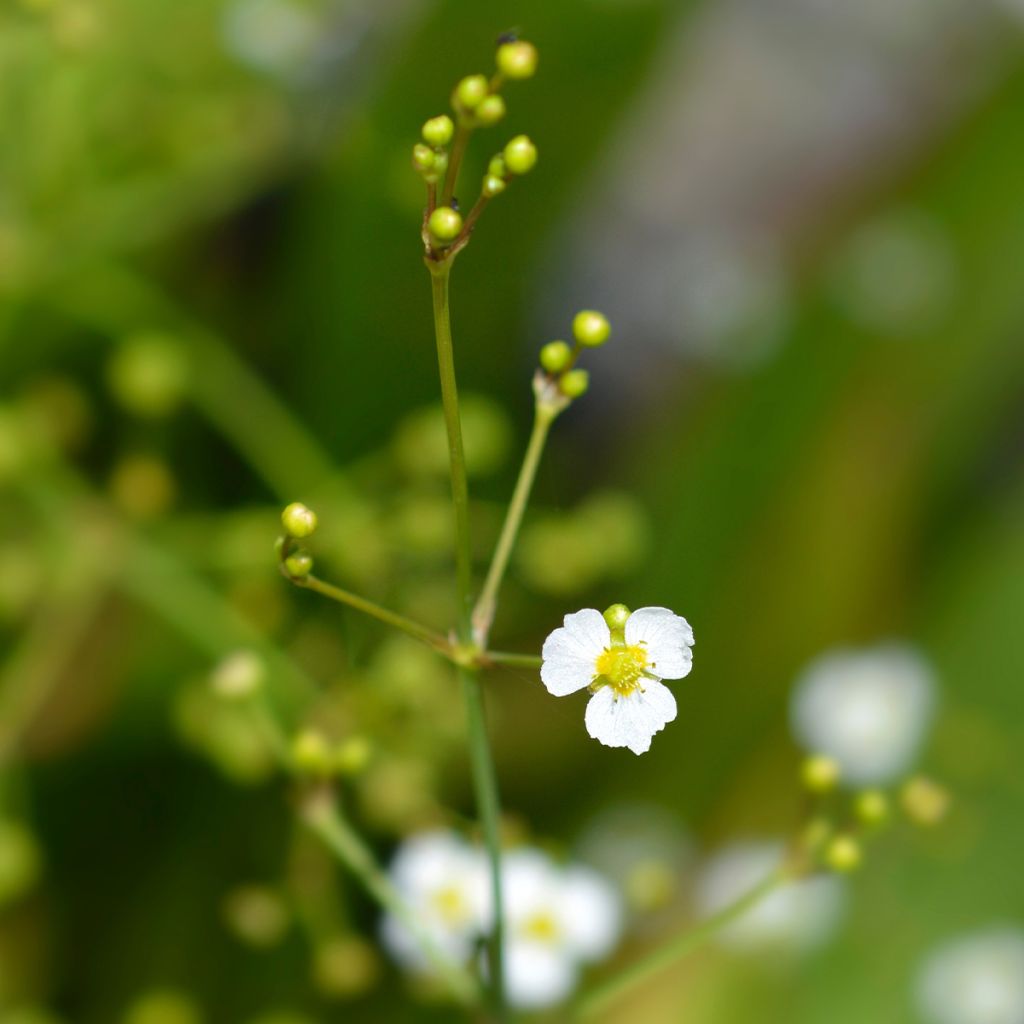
x: 570, y: 652
x: 591, y: 913
x: 630, y: 721
x: 667, y: 637
x: 537, y: 975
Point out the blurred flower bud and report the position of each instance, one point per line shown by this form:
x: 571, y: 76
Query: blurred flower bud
x: 490, y: 110
x: 345, y: 967
x: 299, y: 564
x: 924, y: 801
x: 239, y: 675
x: 591, y: 328
x: 470, y: 92
x: 871, y: 807
x: 493, y: 186
x: 496, y: 168
x: 819, y: 774
x: 445, y: 225
x: 574, y: 383
x: 555, y: 356
x: 163, y: 1007
x: 353, y: 755
x: 20, y: 861
x: 517, y: 59
x: 257, y: 915
x: 438, y: 130
x: 844, y: 854
x: 142, y: 485
x: 423, y: 159
x: 148, y: 374
x: 298, y: 520
x: 520, y: 155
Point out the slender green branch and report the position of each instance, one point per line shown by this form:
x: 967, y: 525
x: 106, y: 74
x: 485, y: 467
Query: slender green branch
x: 458, y: 151
x: 484, y: 781
x: 632, y: 977
x: 486, y: 605
x: 371, y: 608
x: 510, y: 659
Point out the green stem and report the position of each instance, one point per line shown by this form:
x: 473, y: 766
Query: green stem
x: 482, y: 764
x: 610, y: 991
x: 459, y: 144
x: 371, y: 608
x: 510, y: 659
x: 483, y: 613
x: 321, y: 815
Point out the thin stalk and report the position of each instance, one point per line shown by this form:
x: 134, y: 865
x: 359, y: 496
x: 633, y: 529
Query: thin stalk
x: 510, y: 659
x: 483, y: 613
x: 459, y: 144
x: 481, y: 762
x: 371, y: 608
x: 610, y: 991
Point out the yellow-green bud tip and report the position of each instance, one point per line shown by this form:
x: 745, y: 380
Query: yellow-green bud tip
x: 298, y: 520
x: 555, y: 356
x: 311, y: 753
x: 520, y: 155
x: 438, y: 130
x: 871, y: 807
x: 299, y: 564
x: 574, y: 384
x: 423, y: 158
x: 490, y: 110
x: 591, y: 328
x: 445, y: 224
x: 352, y: 756
x: 924, y: 801
x: 615, y: 615
x: 493, y: 186
x: 844, y: 854
x: 496, y: 168
x: 470, y: 92
x: 819, y: 774
x: 517, y: 59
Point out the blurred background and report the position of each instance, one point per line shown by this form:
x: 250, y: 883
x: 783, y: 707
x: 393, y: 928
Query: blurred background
x: 805, y: 220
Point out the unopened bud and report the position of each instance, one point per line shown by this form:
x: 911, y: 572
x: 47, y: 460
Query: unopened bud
x: 299, y: 564
x: 423, y: 158
x: 298, y: 520
x: 470, y: 92
x: 574, y: 384
x: 490, y: 110
x: 438, y: 130
x: 591, y: 328
x: 445, y: 224
x: 924, y: 801
x: 555, y: 356
x: 819, y: 774
x: 520, y: 155
x: 844, y: 854
x: 517, y: 59
x: 871, y: 807
x: 493, y: 186
x: 311, y: 753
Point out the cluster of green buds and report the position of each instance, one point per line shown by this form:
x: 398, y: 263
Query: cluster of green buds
x: 559, y: 380
x: 477, y: 102
x: 299, y: 522
x: 842, y: 823
x: 316, y: 757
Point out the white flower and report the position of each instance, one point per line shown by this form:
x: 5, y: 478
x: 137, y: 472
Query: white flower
x: 868, y: 710
x: 555, y: 920
x: 443, y: 881
x: 976, y: 979
x: 794, y: 917
x: 623, y: 668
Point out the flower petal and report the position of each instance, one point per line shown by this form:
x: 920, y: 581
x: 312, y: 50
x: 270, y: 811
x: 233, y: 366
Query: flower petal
x: 630, y: 721
x: 569, y: 653
x: 668, y: 638
x: 591, y: 913
x: 537, y: 975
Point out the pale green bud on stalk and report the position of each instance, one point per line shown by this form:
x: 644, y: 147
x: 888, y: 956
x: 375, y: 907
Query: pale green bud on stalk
x: 819, y: 774
x: 445, y: 224
x: 493, y: 186
x: 311, y: 754
x: 844, y: 854
x: 872, y: 807
x: 438, y: 130
x: 470, y: 92
x: 298, y: 520
x: 490, y: 110
x: 520, y: 155
x: 496, y: 168
x: 423, y: 158
x: 299, y: 564
x: 517, y: 60
x: 555, y: 356
x: 574, y: 384
x: 591, y: 328
x: 924, y: 801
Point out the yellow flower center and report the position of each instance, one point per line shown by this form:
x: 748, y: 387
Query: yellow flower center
x: 450, y: 904
x: 623, y: 667
x: 541, y: 927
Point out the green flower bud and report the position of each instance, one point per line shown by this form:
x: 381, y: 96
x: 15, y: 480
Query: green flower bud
x: 148, y: 374
x: 496, y: 168
x: 574, y: 384
x: 470, y: 92
x: 820, y: 774
x: 438, y: 130
x: 616, y: 615
x: 591, y: 328
x: 239, y: 675
x: 517, y: 59
x: 257, y: 914
x: 490, y: 110
x: 871, y: 807
x: 493, y: 186
x: 520, y: 155
x: 555, y: 356
x: 352, y: 756
x: 423, y: 158
x: 844, y: 854
x: 924, y: 801
x: 299, y: 564
x: 445, y: 224
x: 298, y: 520
x: 311, y: 754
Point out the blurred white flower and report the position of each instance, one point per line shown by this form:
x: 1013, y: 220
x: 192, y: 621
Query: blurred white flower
x: 975, y: 979
x: 443, y: 881
x: 868, y: 710
x: 629, y: 704
x: 795, y: 917
x: 556, y: 919
x: 270, y: 35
